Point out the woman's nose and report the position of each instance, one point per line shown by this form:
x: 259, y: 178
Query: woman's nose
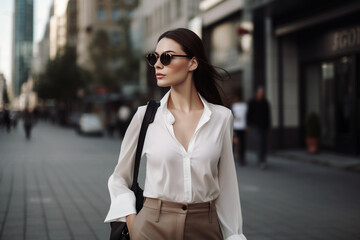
x: 158, y: 63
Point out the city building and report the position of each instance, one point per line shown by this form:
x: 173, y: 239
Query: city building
x: 71, y: 24
x: 103, y: 40
x: 227, y: 36
x: 58, y: 28
x: 23, y: 42
x: 41, y: 53
x: 307, y: 55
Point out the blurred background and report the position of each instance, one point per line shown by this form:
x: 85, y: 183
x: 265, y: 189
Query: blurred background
x: 89, y: 57
x: 72, y: 69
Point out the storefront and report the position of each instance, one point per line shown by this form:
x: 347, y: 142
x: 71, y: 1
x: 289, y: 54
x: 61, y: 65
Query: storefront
x: 330, y: 84
x: 310, y: 56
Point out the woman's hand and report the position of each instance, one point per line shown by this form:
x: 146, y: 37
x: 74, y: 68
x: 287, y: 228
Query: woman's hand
x: 129, y: 220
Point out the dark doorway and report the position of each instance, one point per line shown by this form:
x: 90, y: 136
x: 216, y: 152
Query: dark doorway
x: 331, y: 89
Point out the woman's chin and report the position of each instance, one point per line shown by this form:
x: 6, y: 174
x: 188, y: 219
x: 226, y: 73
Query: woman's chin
x: 162, y: 83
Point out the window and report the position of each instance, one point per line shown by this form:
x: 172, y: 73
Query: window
x: 115, y: 38
x: 115, y: 14
x: 101, y: 14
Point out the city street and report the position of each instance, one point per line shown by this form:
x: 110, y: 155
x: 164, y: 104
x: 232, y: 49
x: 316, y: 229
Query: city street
x: 54, y: 186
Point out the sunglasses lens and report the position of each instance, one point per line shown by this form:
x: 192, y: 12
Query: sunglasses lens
x: 165, y: 59
x: 151, y: 58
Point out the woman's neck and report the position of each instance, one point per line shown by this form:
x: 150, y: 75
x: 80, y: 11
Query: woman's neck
x: 184, y: 98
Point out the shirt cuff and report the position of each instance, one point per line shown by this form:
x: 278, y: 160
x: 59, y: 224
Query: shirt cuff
x: 236, y: 237
x: 120, y: 207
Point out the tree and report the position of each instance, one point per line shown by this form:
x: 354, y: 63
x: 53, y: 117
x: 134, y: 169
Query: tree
x: 62, y: 78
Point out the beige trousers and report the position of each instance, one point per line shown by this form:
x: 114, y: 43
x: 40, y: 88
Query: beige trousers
x: 164, y: 220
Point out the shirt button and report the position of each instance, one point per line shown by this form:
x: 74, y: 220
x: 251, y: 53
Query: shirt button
x: 184, y: 207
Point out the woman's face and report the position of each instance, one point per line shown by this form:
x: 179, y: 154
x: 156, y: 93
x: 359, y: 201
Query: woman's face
x: 179, y: 68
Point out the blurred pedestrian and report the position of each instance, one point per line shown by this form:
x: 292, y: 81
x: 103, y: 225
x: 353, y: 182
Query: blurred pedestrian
x: 239, y: 110
x: 7, y: 120
x: 259, y: 122
x: 111, y: 122
x: 124, y: 114
x: 191, y: 187
x: 28, y: 122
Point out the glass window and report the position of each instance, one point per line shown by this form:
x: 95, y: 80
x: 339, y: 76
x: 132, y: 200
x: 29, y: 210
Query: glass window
x: 115, y: 14
x: 115, y: 38
x: 101, y: 14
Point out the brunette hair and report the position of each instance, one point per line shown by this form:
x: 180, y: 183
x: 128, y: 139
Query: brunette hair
x: 205, y: 75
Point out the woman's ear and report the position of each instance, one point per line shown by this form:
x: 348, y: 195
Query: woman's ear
x: 193, y: 64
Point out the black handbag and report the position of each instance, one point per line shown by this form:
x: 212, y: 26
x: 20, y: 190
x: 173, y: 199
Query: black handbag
x: 119, y: 230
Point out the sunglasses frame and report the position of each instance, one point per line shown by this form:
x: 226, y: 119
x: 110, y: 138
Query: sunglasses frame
x: 163, y: 54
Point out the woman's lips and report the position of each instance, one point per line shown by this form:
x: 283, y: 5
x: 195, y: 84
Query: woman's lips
x: 159, y: 75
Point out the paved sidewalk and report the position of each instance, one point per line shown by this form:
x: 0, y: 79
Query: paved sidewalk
x: 54, y: 187
x: 334, y: 160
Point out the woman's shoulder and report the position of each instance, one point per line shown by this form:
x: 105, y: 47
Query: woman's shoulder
x: 220, y: 111
x: 141, y: 111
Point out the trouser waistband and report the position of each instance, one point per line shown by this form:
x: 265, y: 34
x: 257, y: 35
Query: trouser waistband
x: 179, y: 207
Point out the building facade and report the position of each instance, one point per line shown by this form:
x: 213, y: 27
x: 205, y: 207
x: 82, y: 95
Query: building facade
x: 71, y: 24
x: 227, y: 35
x: 23, y: 42
x: 218, y: 23
x: 58, y: 27
x: 307, y: 54
x: 103, y: 39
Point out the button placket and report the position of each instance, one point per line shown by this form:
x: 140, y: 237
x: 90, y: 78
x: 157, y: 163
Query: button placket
x: 187, y: 178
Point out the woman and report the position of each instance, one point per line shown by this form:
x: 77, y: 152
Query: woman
x: 191, y: 187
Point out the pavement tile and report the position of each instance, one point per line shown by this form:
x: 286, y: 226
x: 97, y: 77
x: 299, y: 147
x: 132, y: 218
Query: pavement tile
x: 58, y: 187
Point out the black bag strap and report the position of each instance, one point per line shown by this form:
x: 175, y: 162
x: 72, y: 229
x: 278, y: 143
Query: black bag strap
x: 149, y: 116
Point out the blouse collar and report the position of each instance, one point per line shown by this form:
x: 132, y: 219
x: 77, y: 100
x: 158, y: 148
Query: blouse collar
x: 170, y: 118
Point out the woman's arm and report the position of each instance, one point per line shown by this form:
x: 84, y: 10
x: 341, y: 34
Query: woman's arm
x: 122, y: 198
x: 228, y: 203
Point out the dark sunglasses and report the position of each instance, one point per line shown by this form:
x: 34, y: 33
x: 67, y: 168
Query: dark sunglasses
x: 165, y: 58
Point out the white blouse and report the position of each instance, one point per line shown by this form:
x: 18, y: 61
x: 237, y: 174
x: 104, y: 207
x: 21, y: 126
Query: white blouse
x: 203, y: 173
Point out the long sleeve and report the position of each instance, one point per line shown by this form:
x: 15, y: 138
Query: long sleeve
x: 228, y: 203
x: 122, y: 198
